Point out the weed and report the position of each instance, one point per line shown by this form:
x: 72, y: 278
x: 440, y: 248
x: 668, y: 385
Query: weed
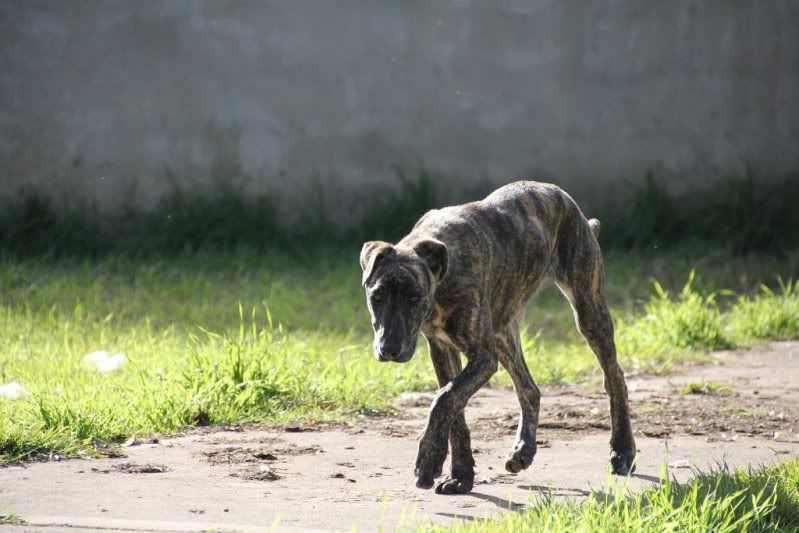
x: 648, y: 407
x: 770, y: 314
x: 11, y: 520
x: 705, y: 387
x: 692, y: 321
x: 747, y: 413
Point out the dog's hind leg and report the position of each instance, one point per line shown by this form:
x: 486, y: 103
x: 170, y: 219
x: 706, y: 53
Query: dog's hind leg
x: 512, y: 358
x: 447, y: 364
x: 581, y: 278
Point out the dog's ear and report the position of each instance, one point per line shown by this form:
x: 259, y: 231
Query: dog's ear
x: 371, y: 253
x: 434, y: 253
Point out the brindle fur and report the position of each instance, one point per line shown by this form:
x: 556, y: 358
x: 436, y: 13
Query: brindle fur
x: 462, y: 277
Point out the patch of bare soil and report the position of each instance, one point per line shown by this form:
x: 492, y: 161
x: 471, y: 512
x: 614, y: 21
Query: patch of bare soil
x: 232, y: 455
x: 220, y: 439
x: 661, y: 413
x: 257, y: 473
x: 719, y: 416
x: 133, y: 468
x: 239, y: 455
x: 757, y: 399
x: 257, y: 464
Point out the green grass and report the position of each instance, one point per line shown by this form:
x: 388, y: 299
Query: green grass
x: 11, y: 520
x: 705, y: 387
x: 254, y: 336
x: 722, y: 500
x: 740, y: 215
x: 769, y: 315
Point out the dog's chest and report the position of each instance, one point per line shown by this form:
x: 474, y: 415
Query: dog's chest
x: 441, y: 334
x: 437, y: 327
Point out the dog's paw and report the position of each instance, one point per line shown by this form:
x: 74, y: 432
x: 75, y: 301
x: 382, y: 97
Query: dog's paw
x: 622, y: 463
x: 520, y: 458
x: 454, y: 486
x: 513, y: 466
x: 424, y: 478
x: 430, y: 461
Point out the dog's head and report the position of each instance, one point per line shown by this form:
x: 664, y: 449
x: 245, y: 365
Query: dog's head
x: 400, y: 283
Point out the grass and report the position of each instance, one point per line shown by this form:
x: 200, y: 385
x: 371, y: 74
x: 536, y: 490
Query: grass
x: 722, y: 500
x: 223, y: 219
x: 693, y: 321
x: 769, y: 315
x: 253, y: 336
x: 741, y: 215
x: 705, y: 387
x: 11, y: 520
x: 748, y: 413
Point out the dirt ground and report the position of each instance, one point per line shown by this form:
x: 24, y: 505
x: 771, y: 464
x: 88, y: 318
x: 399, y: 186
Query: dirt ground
x: 335, y: 477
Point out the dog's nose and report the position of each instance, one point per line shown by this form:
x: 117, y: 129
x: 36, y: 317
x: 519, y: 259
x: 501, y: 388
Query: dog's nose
x: 390, y: 351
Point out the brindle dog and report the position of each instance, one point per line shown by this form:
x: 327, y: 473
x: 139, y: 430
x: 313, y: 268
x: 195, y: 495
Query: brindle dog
x: 462, y: 277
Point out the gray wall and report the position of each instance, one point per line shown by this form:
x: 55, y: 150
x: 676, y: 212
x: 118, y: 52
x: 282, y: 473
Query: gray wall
x: 114, y: 102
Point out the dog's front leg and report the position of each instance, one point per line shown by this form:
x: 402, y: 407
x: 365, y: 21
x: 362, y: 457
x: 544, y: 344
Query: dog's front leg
x: 449, y: 401
x: 447, y: 363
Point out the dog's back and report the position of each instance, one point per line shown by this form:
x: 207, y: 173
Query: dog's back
x: 504, y: 245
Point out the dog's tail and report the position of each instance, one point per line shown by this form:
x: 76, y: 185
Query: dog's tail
x: 594, y: 225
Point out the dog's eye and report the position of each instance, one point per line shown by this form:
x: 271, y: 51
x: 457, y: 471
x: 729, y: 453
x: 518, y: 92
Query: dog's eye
x: 377, y: 297
x: 414, y: 299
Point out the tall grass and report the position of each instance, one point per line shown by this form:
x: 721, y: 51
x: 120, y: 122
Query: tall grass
x: 693, y: 320
x: 722, y: 500
x: 171, y: 381
x: 182, y: 222
x: 741, y: 215
x: 769, y: 315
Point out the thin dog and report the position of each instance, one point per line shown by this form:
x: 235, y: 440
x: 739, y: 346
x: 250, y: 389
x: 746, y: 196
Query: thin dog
x: 462, y: 278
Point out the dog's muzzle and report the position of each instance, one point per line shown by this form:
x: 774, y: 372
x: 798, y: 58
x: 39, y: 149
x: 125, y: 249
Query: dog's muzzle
x: 393, y: 353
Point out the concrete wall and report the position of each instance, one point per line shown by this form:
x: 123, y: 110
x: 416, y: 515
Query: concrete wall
x: 113, y: 102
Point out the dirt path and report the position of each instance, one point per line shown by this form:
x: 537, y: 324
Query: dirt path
x: 331, y: 478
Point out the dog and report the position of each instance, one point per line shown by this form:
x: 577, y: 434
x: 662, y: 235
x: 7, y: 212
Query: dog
x: 462, y: 277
